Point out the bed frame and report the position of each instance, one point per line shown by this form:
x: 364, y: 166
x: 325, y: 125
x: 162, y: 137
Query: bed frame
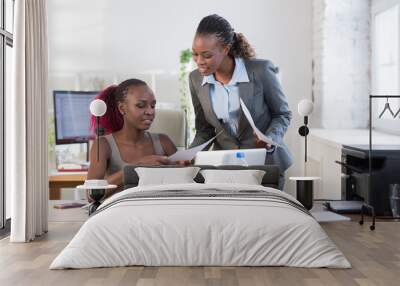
x: 270, y: 179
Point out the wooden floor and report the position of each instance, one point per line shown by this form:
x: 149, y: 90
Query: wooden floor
x: 374, y: 255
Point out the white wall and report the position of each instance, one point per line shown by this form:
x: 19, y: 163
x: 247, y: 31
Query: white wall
x: 341, y: 54
x: 386, y: 123
x: 97, y: 42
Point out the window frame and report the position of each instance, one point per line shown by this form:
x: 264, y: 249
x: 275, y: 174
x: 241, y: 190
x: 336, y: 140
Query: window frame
x: 385, y: 125
x: 6, y: 39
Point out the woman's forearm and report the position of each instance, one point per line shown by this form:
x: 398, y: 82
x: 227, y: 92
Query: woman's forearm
x: 115, y: 179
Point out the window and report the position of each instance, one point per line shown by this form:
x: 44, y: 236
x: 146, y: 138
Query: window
x: 9, y: 19
x: 387, y: 50
x: 385, y: 60
x: 6, y: 43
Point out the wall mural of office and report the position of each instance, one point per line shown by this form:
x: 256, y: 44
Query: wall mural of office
x: 103, y: 61
x: 206, y: 136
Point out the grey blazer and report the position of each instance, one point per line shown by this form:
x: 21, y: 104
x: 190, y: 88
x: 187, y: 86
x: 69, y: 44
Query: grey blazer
x: 266, y: 102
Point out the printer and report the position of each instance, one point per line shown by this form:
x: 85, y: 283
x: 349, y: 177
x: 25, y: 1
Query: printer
x: 355, y: 173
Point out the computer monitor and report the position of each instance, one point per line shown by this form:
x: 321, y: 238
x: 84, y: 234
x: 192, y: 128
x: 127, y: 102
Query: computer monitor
x: 72, y: 116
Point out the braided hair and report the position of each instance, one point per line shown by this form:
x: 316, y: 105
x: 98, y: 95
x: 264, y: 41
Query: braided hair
x: 113, y: 120
x: 220, y: 27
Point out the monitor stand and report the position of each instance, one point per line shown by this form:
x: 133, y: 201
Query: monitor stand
x: 87, y: 150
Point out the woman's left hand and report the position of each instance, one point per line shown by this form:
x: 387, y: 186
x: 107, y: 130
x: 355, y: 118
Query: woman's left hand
x: 259, y: 143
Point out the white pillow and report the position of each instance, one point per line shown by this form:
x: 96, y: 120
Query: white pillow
x: 248, y: 177
x: 163, y: 176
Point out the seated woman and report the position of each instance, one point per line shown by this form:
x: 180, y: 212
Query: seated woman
x: 130, y: 113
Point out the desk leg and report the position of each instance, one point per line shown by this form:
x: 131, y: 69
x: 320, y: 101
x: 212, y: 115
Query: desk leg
x: 55, y: 193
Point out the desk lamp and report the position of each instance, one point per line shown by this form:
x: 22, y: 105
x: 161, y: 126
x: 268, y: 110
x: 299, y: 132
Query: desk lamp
x: 305, y: 108
x: 304, y: 185
x: 98, y: 108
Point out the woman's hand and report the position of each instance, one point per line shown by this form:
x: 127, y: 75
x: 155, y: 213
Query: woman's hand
x: 259, y: 143
x: 184, y: 162
x: 154, y: 160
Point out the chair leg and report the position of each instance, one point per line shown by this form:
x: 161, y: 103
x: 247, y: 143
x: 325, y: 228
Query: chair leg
x: 372, y: 209
x: 372, y: 226
x: 96, y: 195
x: 361, y: 222
x: 93, y: 207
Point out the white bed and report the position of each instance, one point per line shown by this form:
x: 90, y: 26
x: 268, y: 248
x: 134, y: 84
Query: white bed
x: 264, y: 228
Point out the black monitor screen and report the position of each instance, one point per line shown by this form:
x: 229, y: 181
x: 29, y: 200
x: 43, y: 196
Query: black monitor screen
x: 72, y: 116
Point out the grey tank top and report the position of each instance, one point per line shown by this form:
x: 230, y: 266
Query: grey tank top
x: 115, y: 162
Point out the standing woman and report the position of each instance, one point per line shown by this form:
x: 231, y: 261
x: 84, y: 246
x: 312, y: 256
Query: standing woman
x: 227, y: 71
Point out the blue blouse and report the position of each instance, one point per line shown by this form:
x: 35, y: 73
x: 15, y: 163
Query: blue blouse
x: 225, y: 97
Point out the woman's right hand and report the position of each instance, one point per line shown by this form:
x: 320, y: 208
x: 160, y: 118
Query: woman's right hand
x: 184, y: 162
x: 155, y: 160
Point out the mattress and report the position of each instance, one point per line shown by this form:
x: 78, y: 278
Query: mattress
x: 201, y: 225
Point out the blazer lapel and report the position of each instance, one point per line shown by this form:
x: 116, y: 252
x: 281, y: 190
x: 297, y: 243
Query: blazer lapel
x: 205, y: 100
x: 246, y: 93
x: 211, y: 117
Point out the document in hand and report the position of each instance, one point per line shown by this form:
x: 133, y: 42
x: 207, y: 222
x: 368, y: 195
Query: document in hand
x: 259, y: 134
x: 189, y: 154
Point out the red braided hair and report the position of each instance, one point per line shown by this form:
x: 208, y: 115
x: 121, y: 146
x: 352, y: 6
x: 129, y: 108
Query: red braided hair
x: 113, y: 120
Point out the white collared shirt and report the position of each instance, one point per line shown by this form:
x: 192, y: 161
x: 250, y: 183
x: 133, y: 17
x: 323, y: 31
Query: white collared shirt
x: 225, y: 97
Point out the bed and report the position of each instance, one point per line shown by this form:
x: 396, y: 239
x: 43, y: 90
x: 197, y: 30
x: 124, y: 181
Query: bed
x: 198, y: 224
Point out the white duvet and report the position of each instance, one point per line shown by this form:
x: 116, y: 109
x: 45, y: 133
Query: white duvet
x: 200, y: 231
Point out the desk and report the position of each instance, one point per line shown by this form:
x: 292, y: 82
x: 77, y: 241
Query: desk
x: 64, y: 180
x: 325, y: 147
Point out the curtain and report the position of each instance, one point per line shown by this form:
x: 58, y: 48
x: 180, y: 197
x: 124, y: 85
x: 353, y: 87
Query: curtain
x: 26, y: 128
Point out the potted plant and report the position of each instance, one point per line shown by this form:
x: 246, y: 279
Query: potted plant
x: 185, y: 99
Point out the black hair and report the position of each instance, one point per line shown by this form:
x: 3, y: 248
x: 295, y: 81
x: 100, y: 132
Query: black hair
x: 122, y: 89
x: 222, y: 29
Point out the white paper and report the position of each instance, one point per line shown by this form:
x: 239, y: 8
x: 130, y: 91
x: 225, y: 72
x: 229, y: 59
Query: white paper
x: 189, y: 154
x: 259, y: 134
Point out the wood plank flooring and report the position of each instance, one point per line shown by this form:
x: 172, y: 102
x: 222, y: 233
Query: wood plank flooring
x: 375, y: 257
